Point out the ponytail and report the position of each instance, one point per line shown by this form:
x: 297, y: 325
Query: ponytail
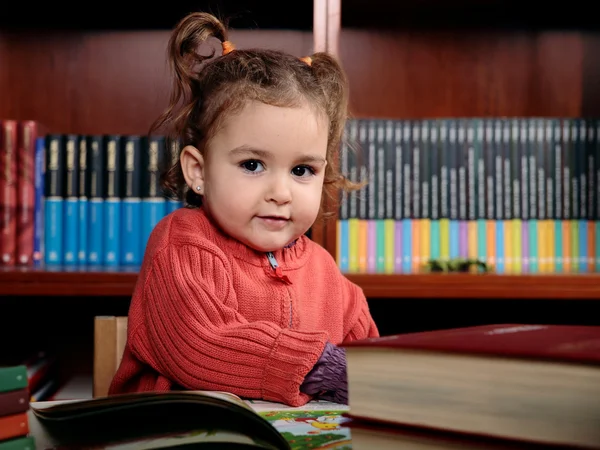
x: 186, y: 60
x: 334, y: 84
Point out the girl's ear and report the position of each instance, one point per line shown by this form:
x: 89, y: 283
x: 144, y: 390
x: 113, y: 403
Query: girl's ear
x: 192, y: 166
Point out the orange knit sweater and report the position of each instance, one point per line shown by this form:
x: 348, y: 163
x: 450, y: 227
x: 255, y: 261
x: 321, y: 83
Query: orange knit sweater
x: 210, y: 313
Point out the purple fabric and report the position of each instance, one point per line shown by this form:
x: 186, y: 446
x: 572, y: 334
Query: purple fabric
x: 328, y: 379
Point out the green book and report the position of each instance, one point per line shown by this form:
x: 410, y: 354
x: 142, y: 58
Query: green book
x: 21, y: 443
x: 13, y: 377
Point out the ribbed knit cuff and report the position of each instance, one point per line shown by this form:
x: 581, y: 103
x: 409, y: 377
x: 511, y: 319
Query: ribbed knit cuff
x: 293, y: 356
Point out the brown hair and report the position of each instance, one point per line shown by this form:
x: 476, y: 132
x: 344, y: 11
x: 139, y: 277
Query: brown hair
x: 206, y: 87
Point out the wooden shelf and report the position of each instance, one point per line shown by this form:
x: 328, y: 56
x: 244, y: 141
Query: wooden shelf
x: 121, y: 282
x: 61, y: 281
x: 484, y: 286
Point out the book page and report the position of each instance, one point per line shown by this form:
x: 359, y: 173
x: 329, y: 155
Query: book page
x: 315, y: 405
x: 315, y: 428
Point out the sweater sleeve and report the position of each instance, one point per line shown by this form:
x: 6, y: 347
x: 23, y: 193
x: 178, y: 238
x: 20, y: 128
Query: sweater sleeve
x: 193, y: 334
x: 358, y: 323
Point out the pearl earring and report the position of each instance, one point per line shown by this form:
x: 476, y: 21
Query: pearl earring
x: 198, y: 188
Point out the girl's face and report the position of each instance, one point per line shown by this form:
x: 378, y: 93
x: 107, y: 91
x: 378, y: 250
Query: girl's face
x: 262, y: 173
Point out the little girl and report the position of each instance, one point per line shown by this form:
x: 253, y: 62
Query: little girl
x: 231, y: 294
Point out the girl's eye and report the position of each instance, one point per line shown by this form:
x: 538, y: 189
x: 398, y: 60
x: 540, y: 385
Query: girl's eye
x: 252, y: 165
x: 303, y: 171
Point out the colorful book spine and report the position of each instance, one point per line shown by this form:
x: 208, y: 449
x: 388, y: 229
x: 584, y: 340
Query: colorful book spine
x: 83, y: 202
x: 13, y: 378
x: 153, y: 202
x: 54, y: 200
x: 132, y: 203
x: 97, y: 168
x: 38, y: 216
x: 19, y: 443
x: 342, y: 232
x: 25, y: 159
x: 8, y: 192
x: 112, y: 202
x: 71, y: 201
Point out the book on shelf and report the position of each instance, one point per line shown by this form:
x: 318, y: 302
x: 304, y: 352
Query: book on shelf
x: 528, y: 383
x: 83, y: 200
x: 21, y: 191
x: 518, y: 193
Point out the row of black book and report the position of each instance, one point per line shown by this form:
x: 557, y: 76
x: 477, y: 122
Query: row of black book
x: 473, y: 168
x: 520, y: 194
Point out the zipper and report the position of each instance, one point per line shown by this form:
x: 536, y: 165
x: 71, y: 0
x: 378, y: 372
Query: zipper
x: 279, y: 274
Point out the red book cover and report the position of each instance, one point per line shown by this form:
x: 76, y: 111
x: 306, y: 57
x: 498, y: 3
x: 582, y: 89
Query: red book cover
x: 13, y: 426
x: 8, y: 192
x: 27, y: 133
x: 550, y: 342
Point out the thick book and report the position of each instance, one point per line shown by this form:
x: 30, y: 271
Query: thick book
x: 369, y: 436
x: 13, y: 426
x: 156, y: 420
x: 535, y: 383
x: 20, y: 443
x: 14, y: 402
x: 13, y: 377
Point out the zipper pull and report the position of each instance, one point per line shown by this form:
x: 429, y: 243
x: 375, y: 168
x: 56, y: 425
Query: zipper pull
x: 278, y: 272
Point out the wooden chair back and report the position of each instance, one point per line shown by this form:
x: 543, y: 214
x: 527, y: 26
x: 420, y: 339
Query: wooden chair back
x: 110, y: 335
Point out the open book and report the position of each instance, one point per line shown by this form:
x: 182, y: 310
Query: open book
x: 182, y: 419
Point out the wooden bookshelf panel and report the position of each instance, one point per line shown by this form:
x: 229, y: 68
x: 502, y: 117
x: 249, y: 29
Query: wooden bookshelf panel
x: 121, y: 282
x: 591, y: 74
x: 101, y: 82
x: 426, y: 74
x: 483, y: 286
x: 60, y: 282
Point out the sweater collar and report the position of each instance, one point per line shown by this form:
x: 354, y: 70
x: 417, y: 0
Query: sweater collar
x: 292, y: 256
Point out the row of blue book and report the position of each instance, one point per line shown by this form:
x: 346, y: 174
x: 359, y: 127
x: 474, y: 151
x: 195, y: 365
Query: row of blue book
x: 98, y: 198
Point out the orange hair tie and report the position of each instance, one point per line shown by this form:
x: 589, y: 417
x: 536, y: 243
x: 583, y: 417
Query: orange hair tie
x: 307, y: 60
x: 228, y: 47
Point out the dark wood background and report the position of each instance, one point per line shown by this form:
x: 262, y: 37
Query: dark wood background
x: 100, y: 82
x: 117, y: 81
x: 420, y: 74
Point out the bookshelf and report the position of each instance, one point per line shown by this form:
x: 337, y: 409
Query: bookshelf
x: 432, y: 59
x: 105, y: 73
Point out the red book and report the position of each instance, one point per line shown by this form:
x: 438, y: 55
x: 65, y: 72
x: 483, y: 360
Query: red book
x: 530, y: 383
x: 549, y: 342
x: 14, y: 402
x: 8, y: 192
x: 14, y: 426
x: 28, y: 131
